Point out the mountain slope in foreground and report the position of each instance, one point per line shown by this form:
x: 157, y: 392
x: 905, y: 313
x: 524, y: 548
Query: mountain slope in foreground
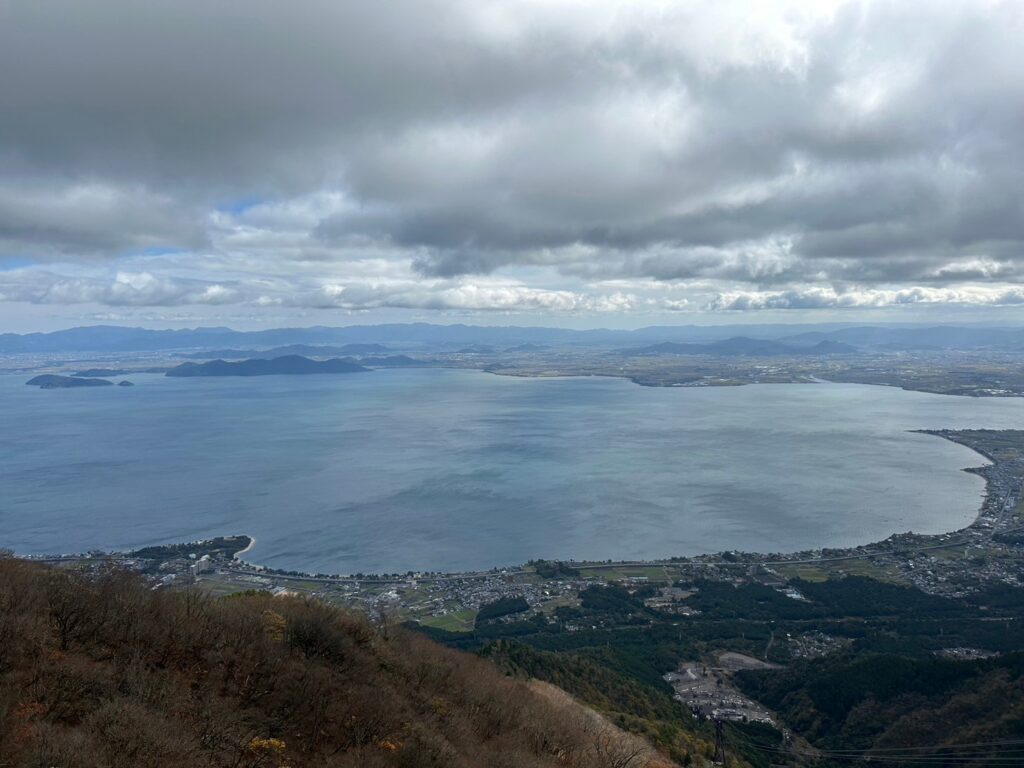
x: 109, y: 673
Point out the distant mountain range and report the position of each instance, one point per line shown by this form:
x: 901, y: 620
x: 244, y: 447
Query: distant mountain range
x: 528, y: 348
x: 289, y: 365
x: 306, y: 350
x: 741, y: 346
x: 92, y: 373
x: 933, y: 338
x: 375, y: 339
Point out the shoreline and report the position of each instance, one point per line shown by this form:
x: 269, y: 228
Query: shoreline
x: 636, y: 379
x: 719, y: 382
x: 896, y: 544
x: 248, y: 547
x: 784, y: 558
x: 994, y: 507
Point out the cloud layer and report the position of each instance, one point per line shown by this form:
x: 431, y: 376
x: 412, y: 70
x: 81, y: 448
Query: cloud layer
x: 543, y: 157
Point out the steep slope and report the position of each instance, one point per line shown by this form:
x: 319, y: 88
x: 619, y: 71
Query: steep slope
x: 903, y: 709
x: 107, y: 672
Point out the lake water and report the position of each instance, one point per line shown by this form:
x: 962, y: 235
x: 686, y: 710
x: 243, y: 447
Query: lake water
x: 454, y: 470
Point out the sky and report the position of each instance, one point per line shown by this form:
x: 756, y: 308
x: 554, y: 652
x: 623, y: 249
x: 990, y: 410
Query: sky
x: 255, y: 164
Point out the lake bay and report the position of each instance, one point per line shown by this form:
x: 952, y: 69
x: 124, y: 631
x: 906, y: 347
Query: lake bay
x: 453, y: 470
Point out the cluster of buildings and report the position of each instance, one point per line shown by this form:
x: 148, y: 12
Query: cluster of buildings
x: 710, y: 694
x: 432, y: 597
x: 814, y: 645
x: 672, y: 600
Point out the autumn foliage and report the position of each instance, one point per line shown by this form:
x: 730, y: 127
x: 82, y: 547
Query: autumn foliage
x: 104, y: 671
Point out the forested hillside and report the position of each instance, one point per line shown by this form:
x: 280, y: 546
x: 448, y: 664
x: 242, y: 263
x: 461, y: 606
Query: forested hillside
x: 923, y: 710
x: 107, y: 672
x: 898, y: 679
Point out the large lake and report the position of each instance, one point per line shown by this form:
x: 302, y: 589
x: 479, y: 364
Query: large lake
x: 453, y: 470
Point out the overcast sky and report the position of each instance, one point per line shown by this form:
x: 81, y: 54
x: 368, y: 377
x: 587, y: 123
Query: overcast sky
x: 265, y: 163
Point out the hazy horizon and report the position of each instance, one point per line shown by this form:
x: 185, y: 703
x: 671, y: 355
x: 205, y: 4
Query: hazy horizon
x: 740, y: 322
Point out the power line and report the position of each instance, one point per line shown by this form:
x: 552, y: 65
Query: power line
x: 1006, y: 752
x: 719, y: 757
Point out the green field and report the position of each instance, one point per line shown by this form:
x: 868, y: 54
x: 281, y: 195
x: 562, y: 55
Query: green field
x: 459, y: 621
x: 614, y: 572
x: 823, y: 571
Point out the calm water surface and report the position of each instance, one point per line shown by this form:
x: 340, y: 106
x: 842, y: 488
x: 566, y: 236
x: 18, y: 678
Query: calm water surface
x: 450, y: 470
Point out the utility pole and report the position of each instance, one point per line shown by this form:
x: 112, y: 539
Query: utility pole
x: 719, y: 758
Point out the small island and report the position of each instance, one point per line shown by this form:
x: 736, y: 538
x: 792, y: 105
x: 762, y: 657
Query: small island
x: 54, y: 381
x: 289, y: 365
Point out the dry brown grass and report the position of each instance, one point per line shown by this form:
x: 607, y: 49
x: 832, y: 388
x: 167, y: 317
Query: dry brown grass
x: 106, y: 672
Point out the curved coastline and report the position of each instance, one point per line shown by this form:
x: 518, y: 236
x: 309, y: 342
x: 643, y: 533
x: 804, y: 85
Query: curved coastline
x: 965, y: 512
x: 248, y: 547
x: 907, y: 542
x: 1000, y: 490
x: 988, y: 462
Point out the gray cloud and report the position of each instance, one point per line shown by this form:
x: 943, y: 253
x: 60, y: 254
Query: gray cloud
x: 139, y: 289
x: 800, y: 151
x: 823, y: 298
x: 89, y: 220
x: 143, y: 289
